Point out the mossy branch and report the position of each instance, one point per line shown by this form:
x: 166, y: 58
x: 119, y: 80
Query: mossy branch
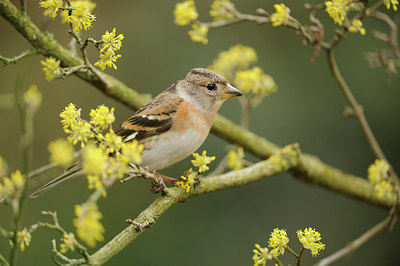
x: 150, y: 215
x: 311, y: 169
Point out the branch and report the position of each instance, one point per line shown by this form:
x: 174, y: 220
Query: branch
x: 311, y: 169
x: 149, y: 216
x: 6, y: 61
x: 354, y: 245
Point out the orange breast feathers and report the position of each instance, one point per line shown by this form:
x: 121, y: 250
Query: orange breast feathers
x: 188, y: 116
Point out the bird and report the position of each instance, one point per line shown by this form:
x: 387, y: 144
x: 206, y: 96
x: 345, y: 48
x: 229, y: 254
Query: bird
x: 174, y: 124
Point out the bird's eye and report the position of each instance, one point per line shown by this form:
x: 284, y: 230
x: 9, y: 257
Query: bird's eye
x: 211, y: 87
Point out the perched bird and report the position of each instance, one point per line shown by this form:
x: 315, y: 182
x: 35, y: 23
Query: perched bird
x: 174, y: 124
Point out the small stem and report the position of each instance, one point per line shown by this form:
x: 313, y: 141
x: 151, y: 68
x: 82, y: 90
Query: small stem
x: 354, y: 245
x: 358, y: 110
x: 277, y: 261
x: 27, y: 137
x: 291, y: 251
x: 3, y: 261
x: 6, y: 61
x: 300, y: 255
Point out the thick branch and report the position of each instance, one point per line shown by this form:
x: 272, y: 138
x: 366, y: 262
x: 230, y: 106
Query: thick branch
x: 310, y: 169
x: 174, y: 195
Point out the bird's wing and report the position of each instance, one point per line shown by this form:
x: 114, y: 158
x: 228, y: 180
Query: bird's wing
x: 155, y: 118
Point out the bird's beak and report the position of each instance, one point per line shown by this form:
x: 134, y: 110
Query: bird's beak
x: 230, y: 92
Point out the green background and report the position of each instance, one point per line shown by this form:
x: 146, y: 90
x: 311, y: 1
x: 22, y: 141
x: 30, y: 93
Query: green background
x: 218, y: 228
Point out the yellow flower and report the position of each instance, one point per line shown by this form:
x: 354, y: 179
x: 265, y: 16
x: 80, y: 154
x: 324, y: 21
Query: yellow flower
x: 87, y: 224
x: 235, y: 58
x: 79, y: 132
x: 81, y: 18
x: 222, y: 9
x: 378, y: 174
x: 256, y: 81
x: 74, y: 4
x: 337, y: 10
x: 24, y: 238
x: 111, y: 142
x: 281, y: 16
x: 102, y: 117
x: 285, y: 158
x: 261, y: 255
x: 185, y: 13
x: 61, y: 152
x: 70, y: 116
x: 309, y: 238
x: 51, y: 6
x: 94, y: 182
x: 186, y: 182
x: 394, y: 3
x: 32, y: 98
x: 3, y: 167
x: 94, y: 161
x: 278, y: 241
x: 356, y: 26
x: 201, y: 161
x: 107, y: 59
x: 199, y: 33
x: 50, y: 67
x: 69, y: 242
x: 132, y: 151
x: 235, y: 158
x: 111, y: 42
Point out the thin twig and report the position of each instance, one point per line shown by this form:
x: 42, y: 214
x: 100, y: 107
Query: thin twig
x: 354, y: 245
x: 357, y: 108
x: 23, y: 6
x: 6, y: 61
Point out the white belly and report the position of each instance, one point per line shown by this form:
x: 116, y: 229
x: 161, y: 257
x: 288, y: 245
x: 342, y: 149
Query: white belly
x: 174, y: 149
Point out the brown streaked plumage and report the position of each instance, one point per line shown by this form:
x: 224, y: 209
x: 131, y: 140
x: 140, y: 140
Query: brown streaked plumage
x: 175, y: 123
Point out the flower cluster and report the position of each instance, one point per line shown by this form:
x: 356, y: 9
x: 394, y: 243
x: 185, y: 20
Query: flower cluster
x: 310, y: 240
x: 88, y: 225
x: 50, y: 68
x: 356, y: 26
x: 256, y: 81
x: 222, y: 10
x: 107, y: 157
x: 111, y: 43
x: 11, y: 187
x: 189, y: 179
x: 285, y: 158
x: 81, y: 18
x: 86, y: 4
x: 238, y: 57
x: 278, y: 241
x: 24, y: 238
x: 69, y: 242
x: 235, y: 159
x: 393, y: 3
x: 378, y: 175
x: 201, y: 161
x: 261, y: 255
x: 281, y: 15
x: 199, y: 33
x: 52, y: 7
x: 61, y: 152
x: 32, y: 99
x: 185, y: 13
x: 337, y: 10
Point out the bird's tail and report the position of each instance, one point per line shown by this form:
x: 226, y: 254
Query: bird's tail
x: 72, y: 171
